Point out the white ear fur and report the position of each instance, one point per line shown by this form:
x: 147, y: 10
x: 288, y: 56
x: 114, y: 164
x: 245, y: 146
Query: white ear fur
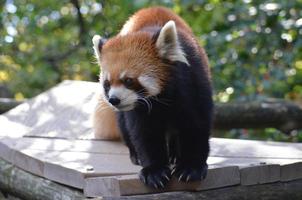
x: 97, y: 43
x: 168, y: 45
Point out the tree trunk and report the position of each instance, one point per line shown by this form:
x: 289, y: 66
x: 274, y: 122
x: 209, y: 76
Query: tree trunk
x: 28, y: 186
x: 283, y: 115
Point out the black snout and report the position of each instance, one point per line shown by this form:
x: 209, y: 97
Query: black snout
x: 114, y: 100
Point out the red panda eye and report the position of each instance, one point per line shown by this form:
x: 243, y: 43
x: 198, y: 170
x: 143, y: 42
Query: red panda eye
x: 128, y: 82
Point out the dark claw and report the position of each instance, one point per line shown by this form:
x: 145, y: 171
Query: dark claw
x: 186, y: 173
x: 156, y: 177
x: 173, y: 171
x: 188, y: 178
x: 166, y: 177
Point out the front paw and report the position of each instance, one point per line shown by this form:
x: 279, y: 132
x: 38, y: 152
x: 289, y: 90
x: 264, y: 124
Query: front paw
x: 186, y: 172
x: 155, y: 176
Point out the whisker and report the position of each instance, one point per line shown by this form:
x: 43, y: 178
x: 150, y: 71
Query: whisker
x: 161, y: 101
x: 149, y: 104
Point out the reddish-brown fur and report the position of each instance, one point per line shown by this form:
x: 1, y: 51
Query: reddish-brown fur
x: 158, y: 16
x: 155, y: 16
x: 121, y: 53
x: 104, y: 123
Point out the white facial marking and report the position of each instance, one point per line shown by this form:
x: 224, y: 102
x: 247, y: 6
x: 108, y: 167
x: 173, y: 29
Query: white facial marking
x: 128, y: 97
x: 168, y: 45
x: 150, y: 84
x: 96, y: 40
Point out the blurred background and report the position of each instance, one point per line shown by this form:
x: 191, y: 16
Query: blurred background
x: 254, y: 47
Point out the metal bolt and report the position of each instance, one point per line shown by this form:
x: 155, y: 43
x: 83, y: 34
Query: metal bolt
x: 89, y: 168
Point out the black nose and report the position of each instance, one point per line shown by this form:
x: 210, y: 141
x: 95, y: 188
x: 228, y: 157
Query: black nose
x: 114, y: 100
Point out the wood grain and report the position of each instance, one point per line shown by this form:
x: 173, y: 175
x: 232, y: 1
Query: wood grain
x: 61, y: 112
x: 259, y: 174
x: 261, y: 149
x: 129, y: 185
x: 291, y: 171
x: 51, y: 136
x: 66, y: 145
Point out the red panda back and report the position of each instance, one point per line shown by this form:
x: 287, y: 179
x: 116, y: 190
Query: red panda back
x: 154, y: 16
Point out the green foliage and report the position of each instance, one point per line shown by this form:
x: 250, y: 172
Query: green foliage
x: 254, y: 47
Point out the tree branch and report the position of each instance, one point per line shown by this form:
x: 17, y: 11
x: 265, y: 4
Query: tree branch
x: 82, y: 27
x: 280, y: 114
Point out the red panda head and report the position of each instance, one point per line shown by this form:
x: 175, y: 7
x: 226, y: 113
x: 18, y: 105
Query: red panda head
x: 136, y: 66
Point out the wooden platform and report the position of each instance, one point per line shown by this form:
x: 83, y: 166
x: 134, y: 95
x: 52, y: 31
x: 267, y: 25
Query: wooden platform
x: 51, y: 136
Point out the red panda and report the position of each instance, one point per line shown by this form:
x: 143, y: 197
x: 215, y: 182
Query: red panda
x: 155, y: 77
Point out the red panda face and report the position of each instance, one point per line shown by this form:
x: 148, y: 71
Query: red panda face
x: 133, y: 67
x: 131, y: 70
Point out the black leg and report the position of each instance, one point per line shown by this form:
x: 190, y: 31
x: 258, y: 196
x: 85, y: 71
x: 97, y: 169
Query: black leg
x: 173, y: 147
x: 126, y: 138
x: 147, y: 134
x: 191, y: 163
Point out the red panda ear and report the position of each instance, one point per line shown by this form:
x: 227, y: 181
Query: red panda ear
x: 168, y: 45
x: 98, y: 43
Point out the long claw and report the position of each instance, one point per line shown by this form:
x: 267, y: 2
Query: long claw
x: 173, y: 171
x: 161, y: 183
x: 188, y: 178
x: 166, y: 177
x: 180, y: 177
x: 155, y: 185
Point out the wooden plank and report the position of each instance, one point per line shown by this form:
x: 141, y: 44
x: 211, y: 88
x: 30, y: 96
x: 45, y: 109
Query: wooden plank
x: 290, y: 169
x: 32, y: 153
x: 9, y: 126
x: 31, y: 164
x: 61, y: 112
x: 221, y: 147
x: 228, y: 148
x: 64, y: 175
x: 6, y: 152
x: 243, y: 162
x: 27, y: 186
x: 71, y: 168
x: 259, y: 174
x: 291, y: 172
x: 66, y: 167
x: 129, y: 185
x: 70, y: 145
